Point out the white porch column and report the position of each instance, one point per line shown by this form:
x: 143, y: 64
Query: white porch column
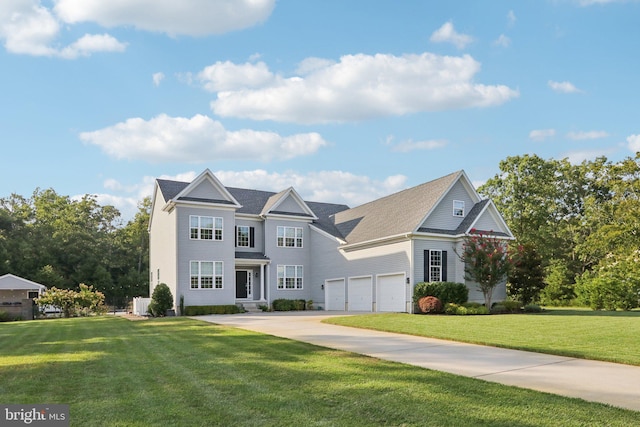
x: 263, y: 296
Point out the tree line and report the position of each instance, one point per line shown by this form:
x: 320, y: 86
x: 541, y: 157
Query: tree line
x: 579, y: 227
x: 62, y: 242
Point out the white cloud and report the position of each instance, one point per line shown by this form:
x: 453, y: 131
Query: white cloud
x: 322, y: 186
x: 90, y: 43
x: 594, y: 134
x: 226, y: 76
x: 196, y: 140
x: 188, y: 17
x: 157, y: 78
x: 448, y: 34
x: 563, y: 87
x: 633, y: 142
x: 503, y: 41
x: 309, y: 65
x: 511, y: 18
x: 409, y: 145
x: 358, y: 87
x: 29, y: 28
x: 541, y: 134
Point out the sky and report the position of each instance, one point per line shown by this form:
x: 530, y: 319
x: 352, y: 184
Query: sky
x: 346, y: 101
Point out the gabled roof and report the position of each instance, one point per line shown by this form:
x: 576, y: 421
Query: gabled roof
x: 206, y: 176
x: 396, y: 214
x: 275, y: 201
x: 11, y: 282
x: 253, y: 202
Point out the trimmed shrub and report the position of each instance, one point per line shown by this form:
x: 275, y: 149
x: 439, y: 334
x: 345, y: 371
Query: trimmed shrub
x: 283, y: 304
x: 450, y: 308
x: 430, y: 305
x: 532, y: 308
x: 201, y: 310
x: 470, y: 308
x: 446, y: 292
x: 161, y: 301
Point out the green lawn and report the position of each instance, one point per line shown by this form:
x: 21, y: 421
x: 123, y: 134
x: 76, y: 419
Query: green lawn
x: 586, y: 334
x: 182, y: 372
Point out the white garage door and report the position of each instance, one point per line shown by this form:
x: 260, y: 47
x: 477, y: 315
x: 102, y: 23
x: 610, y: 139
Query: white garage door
x: 392, y: 294
x: 334, y: 294
x: 360, y: 294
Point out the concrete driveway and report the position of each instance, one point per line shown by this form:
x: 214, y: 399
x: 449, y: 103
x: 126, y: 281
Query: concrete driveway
x: 610, y: 383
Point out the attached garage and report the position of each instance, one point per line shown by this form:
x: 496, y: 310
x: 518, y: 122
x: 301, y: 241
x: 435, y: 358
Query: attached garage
x: 360, y: 294
x: 392, y: 293
x: 334, y: 294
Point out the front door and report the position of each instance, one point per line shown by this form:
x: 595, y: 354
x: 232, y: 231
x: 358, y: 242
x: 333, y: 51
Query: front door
x: 243, y: 284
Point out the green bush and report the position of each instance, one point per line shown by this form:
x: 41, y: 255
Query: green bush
x: 447, y: 292
x: 283, y: 304
x: 161, y: 301
x: 532, y: 308
x: 471, y: 308
x: 512, y: 306
x: 607, y: 293
x: 201, y: 310
x: 4, y: 316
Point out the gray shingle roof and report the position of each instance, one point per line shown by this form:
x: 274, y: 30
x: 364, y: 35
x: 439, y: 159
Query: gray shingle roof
x: 254, y: 201
x: 396, y: 214
x: 392, y: 215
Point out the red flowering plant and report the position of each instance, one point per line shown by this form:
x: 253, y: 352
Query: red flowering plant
x: 486, y: 261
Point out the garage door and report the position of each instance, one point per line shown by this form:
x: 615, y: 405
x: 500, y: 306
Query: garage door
x: 360, y: 294
x: 392, y: 294
x: 334, y: 294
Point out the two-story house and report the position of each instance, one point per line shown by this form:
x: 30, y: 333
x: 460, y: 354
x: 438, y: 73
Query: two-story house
x: 217, y: 245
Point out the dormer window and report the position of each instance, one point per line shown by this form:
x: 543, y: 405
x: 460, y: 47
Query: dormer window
x: 458, y: 208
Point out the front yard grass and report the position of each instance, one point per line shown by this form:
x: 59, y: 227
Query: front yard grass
x: 183, y: 372
x: 585, y: 334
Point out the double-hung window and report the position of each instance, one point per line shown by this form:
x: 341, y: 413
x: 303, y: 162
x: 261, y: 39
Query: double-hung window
x: 290, y: 276
x: 242, y: 236
x: 206, y: 275
x: 289, y: 237
x: 205, y: 227
x: 458, y: 208
x: 435, y: 266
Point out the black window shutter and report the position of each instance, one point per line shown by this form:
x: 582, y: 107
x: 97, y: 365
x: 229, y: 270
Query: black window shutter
x: 444, y: 266
x: 252, y: 238
x: 427, y: 276
x: 235, y: 234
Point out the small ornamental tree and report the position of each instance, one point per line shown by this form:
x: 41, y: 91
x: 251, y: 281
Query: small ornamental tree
x: 486, y: 262
x: 161, y: 301
x: 526, y: 278
x: 71, y: 303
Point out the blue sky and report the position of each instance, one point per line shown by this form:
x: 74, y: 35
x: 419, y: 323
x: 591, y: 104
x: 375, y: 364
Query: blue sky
x: 346, y: 101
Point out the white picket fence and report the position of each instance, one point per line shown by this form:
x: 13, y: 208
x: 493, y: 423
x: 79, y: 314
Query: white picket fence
x: 140, y: 306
